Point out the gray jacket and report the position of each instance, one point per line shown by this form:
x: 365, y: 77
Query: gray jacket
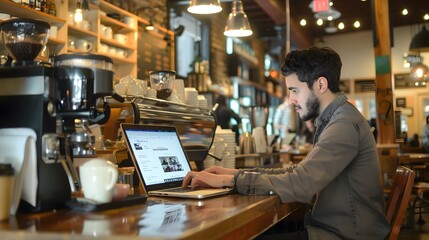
x: 340, y: 177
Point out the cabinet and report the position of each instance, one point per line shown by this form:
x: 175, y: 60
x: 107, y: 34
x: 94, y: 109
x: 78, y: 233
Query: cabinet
x: 88, y: 36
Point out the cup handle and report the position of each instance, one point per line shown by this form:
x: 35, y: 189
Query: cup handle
x: 114, y: 174
x: 90, y: 45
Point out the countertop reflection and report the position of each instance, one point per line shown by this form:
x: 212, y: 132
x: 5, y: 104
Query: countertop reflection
x: 158, y: 218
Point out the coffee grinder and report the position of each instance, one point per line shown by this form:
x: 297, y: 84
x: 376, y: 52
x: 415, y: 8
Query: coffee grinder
x: 25, y: 99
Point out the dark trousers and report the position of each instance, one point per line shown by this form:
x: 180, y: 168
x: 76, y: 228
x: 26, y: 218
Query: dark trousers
x: 285, y: 230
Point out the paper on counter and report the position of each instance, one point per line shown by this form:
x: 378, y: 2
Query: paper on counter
x: 18, y: 147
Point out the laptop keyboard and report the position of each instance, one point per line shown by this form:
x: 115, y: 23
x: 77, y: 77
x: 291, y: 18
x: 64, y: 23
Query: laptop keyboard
x: 179, y: 189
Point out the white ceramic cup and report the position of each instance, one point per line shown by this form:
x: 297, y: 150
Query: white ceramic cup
x: 70, y: 18
x: 53, y: 32
x: 83, y: 45
x: 107, y: 32
x: 4, y: 16
x: 98, y: 178
x: 129, y: 21
x: 84, y: 24
x: 121, y: 52
x: 104, y: 48
x: 122, y: 38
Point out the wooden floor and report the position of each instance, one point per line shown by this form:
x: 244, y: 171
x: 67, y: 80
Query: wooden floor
x: 415, y: 231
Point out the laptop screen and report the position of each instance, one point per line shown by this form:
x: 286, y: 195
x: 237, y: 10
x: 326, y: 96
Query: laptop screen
x: 158, y: 155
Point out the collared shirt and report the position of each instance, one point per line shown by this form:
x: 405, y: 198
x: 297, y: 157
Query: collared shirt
x: 342, y: 171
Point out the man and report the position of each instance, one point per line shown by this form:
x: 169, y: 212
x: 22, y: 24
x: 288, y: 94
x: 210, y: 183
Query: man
x: 342, y: 170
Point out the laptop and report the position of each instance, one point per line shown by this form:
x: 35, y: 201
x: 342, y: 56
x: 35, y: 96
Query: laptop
x: 161, y: 162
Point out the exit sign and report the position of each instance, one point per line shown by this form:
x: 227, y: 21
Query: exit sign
x: 320, y: 5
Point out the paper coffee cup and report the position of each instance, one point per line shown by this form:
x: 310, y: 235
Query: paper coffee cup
x: 6, y: 189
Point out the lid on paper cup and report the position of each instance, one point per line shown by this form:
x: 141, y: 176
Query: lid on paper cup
x: 6, y: 169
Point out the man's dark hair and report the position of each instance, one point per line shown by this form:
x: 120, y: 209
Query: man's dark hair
x: 221, y: 100
x: 312, y: 63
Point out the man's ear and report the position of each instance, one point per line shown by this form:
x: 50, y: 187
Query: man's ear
x: 322, y: 84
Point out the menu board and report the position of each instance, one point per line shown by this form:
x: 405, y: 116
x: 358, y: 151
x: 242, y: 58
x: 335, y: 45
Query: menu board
x: 154, y: 52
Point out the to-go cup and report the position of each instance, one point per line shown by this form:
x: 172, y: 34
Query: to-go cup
x: 6, y: 189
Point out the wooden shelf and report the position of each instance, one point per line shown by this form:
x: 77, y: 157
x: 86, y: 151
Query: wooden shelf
x: 117, y: 26
x: 17, y: 10
x: 78, y: 32
x: 117, y: 44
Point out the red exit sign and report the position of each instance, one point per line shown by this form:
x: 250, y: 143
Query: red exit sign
x: 320, y: 5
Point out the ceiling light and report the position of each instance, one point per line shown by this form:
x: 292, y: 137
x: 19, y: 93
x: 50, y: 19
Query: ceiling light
x: 303, y: 22
x: 319, y: 22
x: 341, y: 25
x: 405, y: 11
x: 420, y: 42
x: 332, y: 14
x: 426, y: 16
x: 204, y: 6
x: 331, y: 28
x: 237, y: 24
x: 356, y: 24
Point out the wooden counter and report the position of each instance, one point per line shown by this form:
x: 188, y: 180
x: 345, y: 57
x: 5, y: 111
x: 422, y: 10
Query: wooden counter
x: 232, y: 216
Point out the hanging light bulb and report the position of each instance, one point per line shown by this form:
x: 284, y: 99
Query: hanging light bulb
x: 204, y: 6
x: 81, y: 5
x: 237, y: 24
x: 419, y: 72
x: 150, y: 27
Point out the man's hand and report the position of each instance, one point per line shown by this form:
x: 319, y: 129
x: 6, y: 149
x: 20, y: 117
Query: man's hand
x: 207, y: 179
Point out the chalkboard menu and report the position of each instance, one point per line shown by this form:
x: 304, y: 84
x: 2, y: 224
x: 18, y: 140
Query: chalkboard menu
x: 155, y: 52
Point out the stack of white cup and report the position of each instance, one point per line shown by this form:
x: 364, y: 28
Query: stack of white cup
x: 191, y: 96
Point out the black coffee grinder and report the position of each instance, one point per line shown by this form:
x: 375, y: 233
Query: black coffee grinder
x: 26, y: 92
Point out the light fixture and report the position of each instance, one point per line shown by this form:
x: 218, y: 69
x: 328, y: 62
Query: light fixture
x: 150, y: 26
x: 81, y: 5
x: 237, y: 24
x: 204, y: 6
x: 419, y: 72
x: 420, y: 42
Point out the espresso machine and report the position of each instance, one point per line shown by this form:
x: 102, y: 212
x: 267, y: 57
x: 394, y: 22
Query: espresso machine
x: 82, y: 83
x: 52, y: 98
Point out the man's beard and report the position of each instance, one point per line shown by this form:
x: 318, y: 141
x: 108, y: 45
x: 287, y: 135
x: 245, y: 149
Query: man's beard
x: 313, y: 107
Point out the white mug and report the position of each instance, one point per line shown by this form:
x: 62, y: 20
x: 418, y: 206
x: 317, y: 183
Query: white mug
x: 83, y: 45
x: 53, y: 32
x: 122, y: 38
x: 104, y: 48
x: 98, y: 178
x: 107, y: 32
x: 4, y: 16
x: 121, y: 52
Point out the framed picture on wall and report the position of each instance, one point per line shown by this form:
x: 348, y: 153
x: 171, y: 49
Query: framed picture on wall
x: 407, y: 111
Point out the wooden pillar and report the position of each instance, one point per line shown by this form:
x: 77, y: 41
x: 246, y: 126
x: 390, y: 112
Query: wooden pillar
x: 383, y: 79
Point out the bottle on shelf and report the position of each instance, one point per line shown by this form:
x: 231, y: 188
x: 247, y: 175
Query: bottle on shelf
x: 52, y: 8
x: 37, y: 5
x: 25, y: 3
x: 44, y: 6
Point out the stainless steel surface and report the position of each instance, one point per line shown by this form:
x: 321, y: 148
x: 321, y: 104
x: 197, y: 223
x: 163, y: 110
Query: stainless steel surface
x: 196, y: 126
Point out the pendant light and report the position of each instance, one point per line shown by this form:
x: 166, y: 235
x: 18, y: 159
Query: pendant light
x: 237, y: 24
x: 420, y: 42
x: 81, y: 5
x: 204, y: 6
